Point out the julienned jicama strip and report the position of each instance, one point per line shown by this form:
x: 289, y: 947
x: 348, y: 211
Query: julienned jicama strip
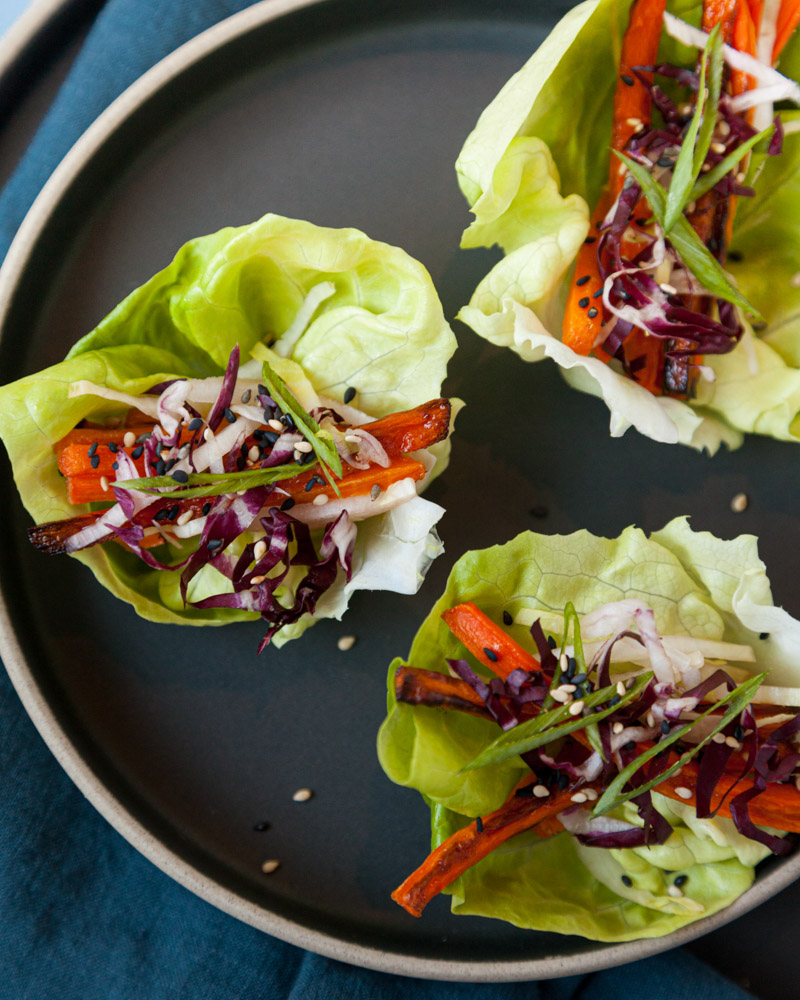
x: 615, y: 768
x: 247, y: 433
x: 650, y: 233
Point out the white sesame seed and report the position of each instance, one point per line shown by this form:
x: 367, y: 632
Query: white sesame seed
x: 256, y: 581
x: 705, y: 168
x: 304, y: 446
x: 104, y: 484
x: 558, y: 695
x: 563, y: 661
x: 733, y: 743
x: 208, y: 434
x: 717, y: 147
x: 741, y: 176
x: 375, y: 492
x: 268, y: 867
x: 621, y: 689
x: 185, y: 517
x: 794, y: 281
x: 673, y: 890
x: 569, y: 688
x: 617, y: 728
x: 352, y: 439
x: 739, y: 503
x: 541, y: 791
x: 276, y: 425
x: 691, y: 207
x: 302, y: 795
x: 590, y: 794
x: 321, y: 500
x: 633, y: 122
x: 668, y: 289
x: 685, y: 109
x: 346, y: 642
x: 576, y: 708
x: 724, y: 129
x: 682, y: 792
x: 578, y: 797
x: 253, y: 454
x: 259, y: 549
x: 718, y: 737
x: 129, y: 440
x: 650, y: 720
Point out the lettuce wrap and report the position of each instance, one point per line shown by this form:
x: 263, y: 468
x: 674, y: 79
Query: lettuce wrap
x: 696, y: 585
x: 531, y: 171
x: 344, y: 313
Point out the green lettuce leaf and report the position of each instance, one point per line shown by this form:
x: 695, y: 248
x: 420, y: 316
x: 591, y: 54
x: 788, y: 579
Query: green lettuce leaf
x: 553, y: 118
x: 382, y: 332
x: 697, y: 585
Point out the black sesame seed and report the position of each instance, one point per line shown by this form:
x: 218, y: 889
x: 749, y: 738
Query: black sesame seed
x: 180, y: 476
x: 764, y: 635
x: 664, y: 161
x: 627, y: 80
x: 579, y: 679
x: 572, y: 666
x: 288, y: 420
x: 349, y: 394
x: 115, y: 466
x: 241, y: 462
x: 287, y: 504
x: 196, y: 424
x: 630, y: 745
x: 540, y: 511
x: 112, y: 447
x: 641, y: 221
x: 137, y: 452
x: 213, y: 544
x: 598, y: 293
x: 172, y: 462
x: 735, y: 256
x: 262, y: 827
x: 680, y: 880
x: 584, y: 302
x: 244, y: 449
x: 583, y: 280
x: 263, y: 390
x: 664, y: 726
x: 551, y: 642
x: 306, y: 457
x: 507, y: 619
x: 144, y: 437
x: 479, y: 824
x: 626, y: 880
x: 173, y: 512
x: 593, y: 239
x: 490, y: 654
x: 526, y: 792
x: 270, y: 436
x: 230, y: 416
x: 738, y: 732
x: 592, y: 313
x: 614, y: 701
x: 92, y: 449
x: 563, y: 779
x: 161, y: 515
x: 95, y: 460
x: 206, y: 509
x: 246, y: 395
x: 160, y: 467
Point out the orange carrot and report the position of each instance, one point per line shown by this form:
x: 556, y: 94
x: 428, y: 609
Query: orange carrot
x: 487, y: 641
x: 583, y: 314
x: 788, y: 19
x: 468, y: 846
x: 721, y: 12
x: 414, y: 686
x: 410, y: 430
x: 744, y: 39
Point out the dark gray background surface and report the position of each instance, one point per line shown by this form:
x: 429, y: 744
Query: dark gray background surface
x: 347, y: 115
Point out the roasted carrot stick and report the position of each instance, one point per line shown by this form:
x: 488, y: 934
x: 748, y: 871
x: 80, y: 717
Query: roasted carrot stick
x: 788, y: 19
x: 414, y: 686
x: 468, y: 846
x: 410, y: 430
x: 487, y: 641
x: 720, y: 12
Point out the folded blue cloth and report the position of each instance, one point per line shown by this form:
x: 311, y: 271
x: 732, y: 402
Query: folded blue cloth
x: 84, y: 917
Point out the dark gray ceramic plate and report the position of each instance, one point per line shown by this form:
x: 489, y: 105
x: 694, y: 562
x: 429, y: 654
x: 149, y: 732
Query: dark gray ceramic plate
x: 345, y: 114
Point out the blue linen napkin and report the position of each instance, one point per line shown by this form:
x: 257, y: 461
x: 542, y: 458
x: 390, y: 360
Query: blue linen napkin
x: 84, y: 916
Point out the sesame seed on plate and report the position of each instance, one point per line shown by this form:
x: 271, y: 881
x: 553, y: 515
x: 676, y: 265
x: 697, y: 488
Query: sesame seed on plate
x: 683, y: 792
x: 346, y: 642
x: 302, y: 795
x: 739, y: 503
x: 268, y: 867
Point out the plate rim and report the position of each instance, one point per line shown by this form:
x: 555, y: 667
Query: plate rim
x: 80, y: 771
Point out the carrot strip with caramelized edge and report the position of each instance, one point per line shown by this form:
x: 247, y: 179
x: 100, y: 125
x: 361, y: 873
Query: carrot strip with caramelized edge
x: 469, y: 845
x: 410, y: 430
x: 788, y: 19
x: 413, y: 686
x: 487, y: 641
